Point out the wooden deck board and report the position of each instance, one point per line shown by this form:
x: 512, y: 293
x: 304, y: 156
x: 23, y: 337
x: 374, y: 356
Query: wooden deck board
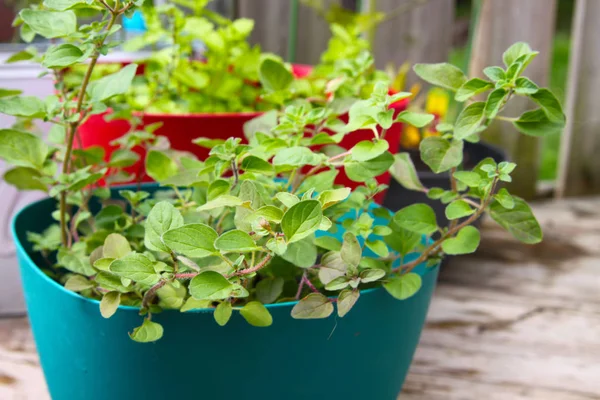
x: 509, y: 323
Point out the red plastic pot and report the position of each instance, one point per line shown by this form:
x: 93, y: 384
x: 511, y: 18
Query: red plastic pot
x: 181, y: 129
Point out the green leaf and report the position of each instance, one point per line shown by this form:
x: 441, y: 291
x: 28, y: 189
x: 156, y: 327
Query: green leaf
x: 402, y: 240
x: 24, y: 178
x: 495, y: 73
x: 62, y: 5
x: 270, y: 213
x: 338, y: 284
x: 269, y: 289
x: 313, y: 306
x: 210, y: 285
x: 121, y: 158
x: 23, y: 106
x: 444, y: 75
x: 328, y: 243
x: 363, y: 171
x: 549, y: 104
x: 331, y: 197
x: 23, y: 55
x: 159, y: 166
x: 256, y: 314
x: 494, y: 103
x: 148, y: 332
x: 537, y: 123
x: 471, y: 179
x: 465, y: 242
x: 112, y: 85
x: 136, y: 267
x: 403, y: 286
x: 372, y: 275
x: 296, y: 157
x: 525, y: 86
x: 163, y: 217
x: 235, y: 241
x: 193, y: 304
x: 302, y: 253
x: 419, y: 218
x: 110, y: 281
x: 378, y: 247
x: 287, y: 199
x: 519, y: 220
x: 404, y: 171
x: 332, y: 267
x: 471, y: 88
x: 78, y: 283
x: 441, y: 154
x: 109, y: 304
x: 9, y: 92
x: 367, y: 149
x: 50, y: 24
x: 273, y: 75
x: 221, y: 201
x: 319, y: 182
x: 75, y: 261
x: 223, y: 313
x: 346, y: 301
x: 418, y: 120
x: 458, y: 209
x: 351, y: 251
x: 191, y: 240
x: 256, y: 164
x: 514, y: 52
x: 505, y: 199
x: 301, y: 220
x: 115, y: 246
x: 62, y: 56
x: 469, y: 120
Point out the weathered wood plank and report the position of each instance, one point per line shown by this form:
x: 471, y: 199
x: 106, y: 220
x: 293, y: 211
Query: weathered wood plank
x: 271, y: 23
x: 502, y: 23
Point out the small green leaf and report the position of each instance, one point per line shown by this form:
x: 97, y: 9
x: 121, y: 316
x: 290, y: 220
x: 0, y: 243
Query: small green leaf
x: 269, y: 289
x: 525, y: 86
x: 351, y: 251
x: 256, y: 314
x: 367, y: 149
x: 50, y: 24
x: 296, y: 157
x: 115, y: 246
x: 193, y: 304
x: 471, y: 179
x: 112, y: 85
x: 24, y: 178
x: 332, y: 267
x: 313, y: 306
x: 148, y: 332
x: 550, y: 104
x: 191, y: 240
x: 514, y: 52
x: 331, y: 197
x: 494, y: 103
x: 273, y: 75
x: 23, y: 106
x: 221, y: 201
x: 505, y: 199
x: 495, y: 73
x: 419, y: 218
x: 469, y: 120
x: 346, y: 301
x: 471, y: 88
x: 287, y: 199
x: 235, y: 241
x: 404, y: 171
x: 338, y: 283
x: 210, y: 285
x: 159, y: 166
x: 163, y: 217
x: 518, y: 220
x: 465, y: 242
x: 458, y: 209
x: 403, y: 286
x: 301, y: 220
x: 121, y: 158
x: 402, y: 240
x: 302, y: 253
x: 78, y: 283
x: 62, y: 56
x: 363, y: 171
x: 378, y: 247
x: 444, y: 75
x: 328, y: 243
x: 256, y: 164
x: 441, y: 154
x: 418, y: 120
x: 136, y: 267
x: 537, y: 123
x: 223, y: 313
x: 372, y: 275
x: 109, y: 304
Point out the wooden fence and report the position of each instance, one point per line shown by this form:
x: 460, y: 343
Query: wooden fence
x: 423, y: 31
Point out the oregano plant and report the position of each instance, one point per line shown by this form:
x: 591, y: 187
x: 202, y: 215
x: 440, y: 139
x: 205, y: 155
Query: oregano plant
x: 260, y: 220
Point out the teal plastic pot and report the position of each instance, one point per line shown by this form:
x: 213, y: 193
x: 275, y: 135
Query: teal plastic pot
x: 364, y: 355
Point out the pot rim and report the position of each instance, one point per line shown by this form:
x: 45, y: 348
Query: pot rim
x: 21, y: 250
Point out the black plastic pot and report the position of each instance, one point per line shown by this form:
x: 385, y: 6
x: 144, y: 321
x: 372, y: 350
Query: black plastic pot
x: 398, y: 197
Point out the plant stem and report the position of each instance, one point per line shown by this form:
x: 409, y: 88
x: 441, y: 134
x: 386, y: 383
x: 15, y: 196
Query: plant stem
x: 74, y: 125
x: 151, y: 293
x: 251, y: 270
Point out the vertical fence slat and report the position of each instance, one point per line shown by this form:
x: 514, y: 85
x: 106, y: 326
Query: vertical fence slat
x: 313, y: 34
x: 502, y: 23
x: 421, y: 32
x: 271, y: 23
x: 579, y: 168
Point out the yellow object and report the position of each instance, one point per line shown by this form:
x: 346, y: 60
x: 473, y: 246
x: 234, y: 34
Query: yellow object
x: 437, y: 103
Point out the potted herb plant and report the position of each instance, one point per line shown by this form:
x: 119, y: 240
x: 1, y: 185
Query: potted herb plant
x: 181, y: 95
x: 248, y: 274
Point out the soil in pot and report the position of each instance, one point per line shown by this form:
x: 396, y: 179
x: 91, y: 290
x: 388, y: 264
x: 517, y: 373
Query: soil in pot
x: 364, y: 355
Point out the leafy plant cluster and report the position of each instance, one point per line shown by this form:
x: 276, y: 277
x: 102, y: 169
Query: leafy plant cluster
x: 259, y: 222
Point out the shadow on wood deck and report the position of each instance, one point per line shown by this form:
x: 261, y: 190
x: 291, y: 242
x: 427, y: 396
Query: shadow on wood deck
x: 509, y: 323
